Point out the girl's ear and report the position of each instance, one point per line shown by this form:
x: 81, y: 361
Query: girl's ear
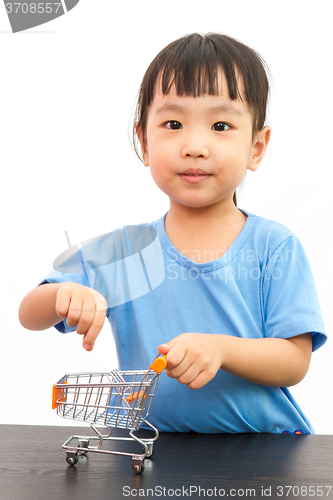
x: 143, y: 144
x: 259, y: 147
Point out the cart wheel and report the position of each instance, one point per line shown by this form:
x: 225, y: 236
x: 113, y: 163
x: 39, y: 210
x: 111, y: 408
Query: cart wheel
x: 83, y: 444
x: 150, y: 450
x: 71, y: 458
x: 138, y: 467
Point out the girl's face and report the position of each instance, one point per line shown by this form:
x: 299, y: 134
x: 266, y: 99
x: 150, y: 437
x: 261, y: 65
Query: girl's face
x: 199, y: 148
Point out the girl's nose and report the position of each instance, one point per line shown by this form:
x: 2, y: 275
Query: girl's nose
x: 195, y: 147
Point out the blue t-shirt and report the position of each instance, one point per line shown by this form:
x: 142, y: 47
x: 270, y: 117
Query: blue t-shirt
x: 262, y: 287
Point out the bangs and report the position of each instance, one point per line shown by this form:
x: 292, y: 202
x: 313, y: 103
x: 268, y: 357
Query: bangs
x: 193, y: 67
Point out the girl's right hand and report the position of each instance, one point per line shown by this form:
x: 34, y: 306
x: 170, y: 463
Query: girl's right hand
x: 84, y: 308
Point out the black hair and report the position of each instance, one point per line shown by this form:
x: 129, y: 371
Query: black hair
x: 192, y: 64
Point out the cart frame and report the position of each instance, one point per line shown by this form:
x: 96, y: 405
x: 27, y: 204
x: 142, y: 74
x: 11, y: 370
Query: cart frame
x: 116, y: 399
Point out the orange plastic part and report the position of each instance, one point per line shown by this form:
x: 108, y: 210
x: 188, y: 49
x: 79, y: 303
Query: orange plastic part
x: 159, y: 364
x: 134, y: 396
x: 55, y: 395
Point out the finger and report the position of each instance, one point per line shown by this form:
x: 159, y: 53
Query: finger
x: 100, y: 301
x: 86, y: 316
x: 174, y: 350
x: 165, y: 348
x: 176, y: 358
x: 94, y: 330
x: 201, y: 379
x: 185, y: 372
x: 74, y: 311
x: 62, y: 303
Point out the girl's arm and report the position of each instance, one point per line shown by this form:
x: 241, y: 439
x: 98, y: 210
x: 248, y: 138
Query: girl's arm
x: 48, y: 304
x: 37, y: 310
x: 194, y: 358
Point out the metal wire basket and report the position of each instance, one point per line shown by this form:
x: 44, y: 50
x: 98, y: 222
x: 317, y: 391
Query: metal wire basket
x: 117, y: 399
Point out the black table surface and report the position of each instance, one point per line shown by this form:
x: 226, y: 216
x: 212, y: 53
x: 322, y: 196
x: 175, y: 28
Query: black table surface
x: 33, y: 466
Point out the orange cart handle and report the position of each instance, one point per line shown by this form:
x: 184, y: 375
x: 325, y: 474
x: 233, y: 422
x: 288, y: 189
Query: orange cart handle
x: 159, y: 363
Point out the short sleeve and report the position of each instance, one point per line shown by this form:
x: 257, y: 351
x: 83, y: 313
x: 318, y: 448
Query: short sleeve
x: 79, y: 276
x: 79, y: 269
x: 290, y: 301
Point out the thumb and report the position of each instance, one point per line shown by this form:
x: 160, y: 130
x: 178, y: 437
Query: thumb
x: 165, y: 348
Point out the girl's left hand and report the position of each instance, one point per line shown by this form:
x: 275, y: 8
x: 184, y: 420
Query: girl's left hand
x: 193, y: 358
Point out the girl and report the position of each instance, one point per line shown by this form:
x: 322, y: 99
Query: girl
x: 227, y: 296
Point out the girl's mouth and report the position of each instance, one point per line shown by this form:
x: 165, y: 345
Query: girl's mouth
x: 193, y: 176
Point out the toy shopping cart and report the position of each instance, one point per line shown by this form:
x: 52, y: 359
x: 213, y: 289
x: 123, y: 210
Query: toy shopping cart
x: 119, y: 399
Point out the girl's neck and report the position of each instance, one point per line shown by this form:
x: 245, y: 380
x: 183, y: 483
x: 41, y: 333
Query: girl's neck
x: 203, y: 234
x: 203, y: 219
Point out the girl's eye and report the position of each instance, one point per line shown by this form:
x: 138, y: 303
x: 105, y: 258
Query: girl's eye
x: 173, y: 125
x: 220, y: 127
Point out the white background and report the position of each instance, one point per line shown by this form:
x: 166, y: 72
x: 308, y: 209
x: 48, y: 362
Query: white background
x: 68, y: 92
